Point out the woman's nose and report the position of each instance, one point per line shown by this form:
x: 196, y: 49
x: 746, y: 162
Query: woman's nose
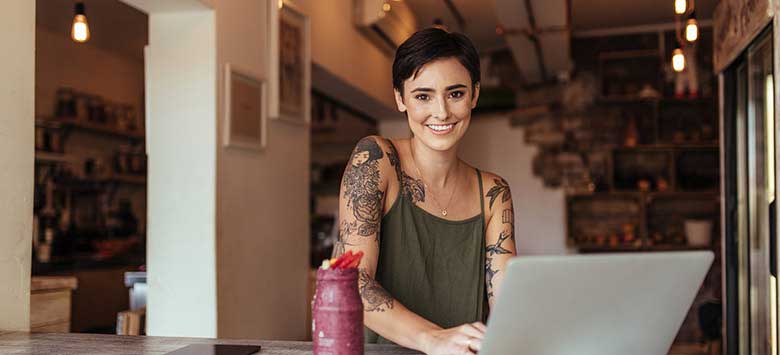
x: 441, y: 110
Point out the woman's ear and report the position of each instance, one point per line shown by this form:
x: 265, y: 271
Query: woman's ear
x: 476, y: 96
x: 399, y: 101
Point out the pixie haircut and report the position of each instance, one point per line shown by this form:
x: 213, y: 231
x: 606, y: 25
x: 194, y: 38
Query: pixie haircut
x: 428, y: 45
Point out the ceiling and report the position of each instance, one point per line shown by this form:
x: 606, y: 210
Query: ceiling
x: 114, y: 26
x: 482, y: 17
x: 601, y: 14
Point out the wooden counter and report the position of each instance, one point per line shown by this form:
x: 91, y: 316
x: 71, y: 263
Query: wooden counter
x: 50, y: 303
x: 85, y: 344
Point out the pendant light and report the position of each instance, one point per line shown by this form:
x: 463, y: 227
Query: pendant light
x: 678, y: 60
x: 680, y: 6
x: 692, y: 28
x: 80, y: 30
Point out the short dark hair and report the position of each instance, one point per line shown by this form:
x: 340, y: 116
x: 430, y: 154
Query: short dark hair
x: 430, y: 44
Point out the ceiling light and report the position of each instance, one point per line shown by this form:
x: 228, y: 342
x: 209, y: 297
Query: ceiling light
x: 692, y: 29
x: 80, y: 30
x: 678, y: 60
x: 680, y: 6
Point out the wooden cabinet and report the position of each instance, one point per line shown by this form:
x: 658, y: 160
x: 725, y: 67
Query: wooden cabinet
x: 50, y: 303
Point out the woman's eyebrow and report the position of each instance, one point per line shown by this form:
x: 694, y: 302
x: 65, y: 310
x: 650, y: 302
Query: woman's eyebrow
x: 451, y: 87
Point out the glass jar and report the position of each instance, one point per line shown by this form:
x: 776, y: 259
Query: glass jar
x: 337, y: 313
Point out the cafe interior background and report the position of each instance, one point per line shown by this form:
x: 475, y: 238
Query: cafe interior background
x: 172, y: 167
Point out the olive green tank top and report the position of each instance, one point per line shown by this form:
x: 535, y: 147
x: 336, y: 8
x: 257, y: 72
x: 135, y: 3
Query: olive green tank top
x: 433, y: 266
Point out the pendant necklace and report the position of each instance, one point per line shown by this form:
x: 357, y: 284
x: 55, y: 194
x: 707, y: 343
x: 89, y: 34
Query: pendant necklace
x: 443, y: 210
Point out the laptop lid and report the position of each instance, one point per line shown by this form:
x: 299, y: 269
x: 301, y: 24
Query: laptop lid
x: 605, y: 304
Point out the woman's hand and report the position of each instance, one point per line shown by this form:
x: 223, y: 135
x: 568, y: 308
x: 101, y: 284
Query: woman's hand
x: 464, y: 339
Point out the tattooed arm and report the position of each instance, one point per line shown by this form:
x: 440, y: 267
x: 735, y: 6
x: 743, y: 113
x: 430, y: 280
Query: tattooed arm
x: 361, y: 206
x: 500, y: 235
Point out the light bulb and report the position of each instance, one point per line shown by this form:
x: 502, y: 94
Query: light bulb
x: 678, y: 60
x: 80, y: 30
x: 280, y: 4
x: 691, y: 30
x: 386, y: 7
x: 680, y: 6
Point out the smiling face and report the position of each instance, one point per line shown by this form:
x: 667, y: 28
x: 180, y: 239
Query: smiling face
x: 438, y: 103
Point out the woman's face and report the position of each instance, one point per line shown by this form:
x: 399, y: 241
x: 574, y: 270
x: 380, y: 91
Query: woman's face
x: 438, y: 103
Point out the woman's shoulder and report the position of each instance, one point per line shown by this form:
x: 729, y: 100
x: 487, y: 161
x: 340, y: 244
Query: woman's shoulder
x: 376, y: 148
x: 495, y: 189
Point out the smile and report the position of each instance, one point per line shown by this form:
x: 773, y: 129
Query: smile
x: 441, y: 128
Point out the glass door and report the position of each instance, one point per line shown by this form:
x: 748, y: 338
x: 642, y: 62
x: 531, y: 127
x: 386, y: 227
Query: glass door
x: 750, y: 216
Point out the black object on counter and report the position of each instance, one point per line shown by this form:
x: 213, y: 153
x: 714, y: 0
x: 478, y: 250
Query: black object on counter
x: 216, y: 349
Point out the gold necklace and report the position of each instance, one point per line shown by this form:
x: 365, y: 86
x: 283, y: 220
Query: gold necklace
x: 443, y: 210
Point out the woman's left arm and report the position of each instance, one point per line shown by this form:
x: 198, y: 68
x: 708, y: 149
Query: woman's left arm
x: 499, y: 236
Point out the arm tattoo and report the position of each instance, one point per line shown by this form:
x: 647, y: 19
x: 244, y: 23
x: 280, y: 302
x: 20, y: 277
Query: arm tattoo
x: 340, y: 246
x: 413, y: 189
x: 501, y: 188
x: 490, y: 274
x: 508, y: 221
x: 361, y: 187
x: 375, y: 298
x: 494, y: 249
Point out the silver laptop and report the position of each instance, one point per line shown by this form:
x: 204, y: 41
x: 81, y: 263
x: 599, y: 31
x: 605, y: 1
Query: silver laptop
x: 606, y: 304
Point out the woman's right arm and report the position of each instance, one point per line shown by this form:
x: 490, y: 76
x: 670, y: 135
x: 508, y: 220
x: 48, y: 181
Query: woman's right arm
x: 361, y: 205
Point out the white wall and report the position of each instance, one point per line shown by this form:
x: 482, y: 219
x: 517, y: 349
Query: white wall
x: 492, y: 144
x: 262, y: 202
x: 338, y: 47
x: 181, y: 138
x: 17, y: 106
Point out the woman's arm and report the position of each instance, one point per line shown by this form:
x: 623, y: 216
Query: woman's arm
x: 361, y: 202
x: 500, y: 235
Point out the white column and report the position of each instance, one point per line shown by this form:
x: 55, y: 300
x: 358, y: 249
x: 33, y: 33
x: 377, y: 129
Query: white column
x: 17, y: 110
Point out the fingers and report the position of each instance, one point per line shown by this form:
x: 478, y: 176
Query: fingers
x: 480, y: 326
x: 472, y: 331
x: 475, y: 345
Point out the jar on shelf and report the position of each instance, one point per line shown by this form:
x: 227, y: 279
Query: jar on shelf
x: 55, y: 137
x: 40, y: 135
x: 66, y: 103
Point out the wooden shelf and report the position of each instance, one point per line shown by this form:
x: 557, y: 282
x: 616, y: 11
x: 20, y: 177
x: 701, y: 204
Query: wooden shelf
x: 623, y: 249
x: 41, y: 155
x: 97, y: 128
x: 127, y: 179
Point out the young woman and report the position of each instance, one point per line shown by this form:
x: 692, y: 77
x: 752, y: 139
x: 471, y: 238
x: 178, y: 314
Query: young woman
x: 436, y: 232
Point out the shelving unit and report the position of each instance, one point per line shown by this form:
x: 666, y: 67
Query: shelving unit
x: 678, y: 163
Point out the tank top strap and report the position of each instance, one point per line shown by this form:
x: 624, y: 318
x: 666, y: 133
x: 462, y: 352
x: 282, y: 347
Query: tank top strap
x: 481, y: 195
x: 395, y: 160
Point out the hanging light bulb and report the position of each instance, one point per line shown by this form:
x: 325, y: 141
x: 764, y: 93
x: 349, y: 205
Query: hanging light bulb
x: 386, y: 7
x: 80, y: 30
x: 692, y: 29
x: 680, y: 6
x: 678, y: 60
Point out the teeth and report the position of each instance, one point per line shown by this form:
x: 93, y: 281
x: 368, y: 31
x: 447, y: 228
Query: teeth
x: 440, y: 127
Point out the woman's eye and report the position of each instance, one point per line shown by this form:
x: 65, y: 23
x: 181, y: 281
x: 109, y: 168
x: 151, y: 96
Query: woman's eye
x: 422, y: 97
x: 456, y: 94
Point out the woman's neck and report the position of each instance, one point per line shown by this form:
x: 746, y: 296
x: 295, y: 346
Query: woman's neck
x: 437, y: 167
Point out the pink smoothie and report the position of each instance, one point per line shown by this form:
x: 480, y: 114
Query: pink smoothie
x: 337, y: 313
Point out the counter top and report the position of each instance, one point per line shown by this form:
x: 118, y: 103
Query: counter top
x: 67, y: 344
x: 42, y: 283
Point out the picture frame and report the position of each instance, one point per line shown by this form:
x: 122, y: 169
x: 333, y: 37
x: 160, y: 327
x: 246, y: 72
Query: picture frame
x: 290, y: 64
x: 246, y: 112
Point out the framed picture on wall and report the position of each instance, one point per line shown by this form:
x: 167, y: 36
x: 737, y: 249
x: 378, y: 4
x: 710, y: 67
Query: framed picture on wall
x: 245, y: 110
x: 290, y: 64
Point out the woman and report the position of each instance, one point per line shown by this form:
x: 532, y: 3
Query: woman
x: 436, y: 233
